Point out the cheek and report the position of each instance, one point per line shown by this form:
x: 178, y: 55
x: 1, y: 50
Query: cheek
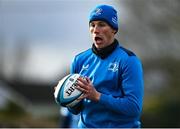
x: 107, y: 34
x: 91, y: 30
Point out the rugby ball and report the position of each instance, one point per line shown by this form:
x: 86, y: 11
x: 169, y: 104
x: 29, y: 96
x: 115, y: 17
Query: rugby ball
x: 66, y: 93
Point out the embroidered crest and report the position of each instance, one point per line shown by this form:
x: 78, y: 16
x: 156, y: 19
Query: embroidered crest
x: 113, y: 66
x: 98, y: 11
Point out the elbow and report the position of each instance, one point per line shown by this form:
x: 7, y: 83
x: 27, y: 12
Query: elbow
x: 135, y: 110
x: 134, y: 105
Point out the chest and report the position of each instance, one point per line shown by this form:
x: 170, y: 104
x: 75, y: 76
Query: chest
x: 104, y: 74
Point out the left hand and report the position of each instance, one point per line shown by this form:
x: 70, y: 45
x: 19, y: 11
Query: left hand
x: 85, y: 85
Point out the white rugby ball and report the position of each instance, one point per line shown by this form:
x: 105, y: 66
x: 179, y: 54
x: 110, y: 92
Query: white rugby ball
x: 66, y: 93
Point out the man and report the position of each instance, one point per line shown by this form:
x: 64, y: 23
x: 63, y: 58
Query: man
x: 113, y: 88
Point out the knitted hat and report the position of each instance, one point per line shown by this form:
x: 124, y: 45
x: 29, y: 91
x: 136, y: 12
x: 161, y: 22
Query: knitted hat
x: 105, y: 13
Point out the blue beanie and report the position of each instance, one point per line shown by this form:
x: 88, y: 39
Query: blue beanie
x: 105, y: 13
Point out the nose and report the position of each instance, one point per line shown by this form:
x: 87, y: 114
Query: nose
x: 96, y: 30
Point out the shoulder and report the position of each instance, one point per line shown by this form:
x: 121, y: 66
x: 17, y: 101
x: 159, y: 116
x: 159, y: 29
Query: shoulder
x: 82, y: 56
x: 127, y: 56
x: 79, y: 59
x: 124, y: 52
x: 127, y: 51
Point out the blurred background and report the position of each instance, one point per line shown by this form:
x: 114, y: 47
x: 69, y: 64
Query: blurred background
x: 39, y: 38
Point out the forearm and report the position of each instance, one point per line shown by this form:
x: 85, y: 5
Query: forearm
x: 130, y: 106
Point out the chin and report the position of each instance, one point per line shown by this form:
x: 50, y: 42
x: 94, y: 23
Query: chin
x: 99, y: 46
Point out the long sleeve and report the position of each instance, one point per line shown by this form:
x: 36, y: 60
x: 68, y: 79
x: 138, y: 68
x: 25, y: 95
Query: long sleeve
x: 132, y: 84
x: 119, y: 79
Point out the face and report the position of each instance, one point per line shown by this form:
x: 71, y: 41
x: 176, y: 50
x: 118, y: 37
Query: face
x: 102, y: 34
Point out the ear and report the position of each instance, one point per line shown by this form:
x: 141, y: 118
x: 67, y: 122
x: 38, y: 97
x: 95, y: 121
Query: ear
x: 114, y: 31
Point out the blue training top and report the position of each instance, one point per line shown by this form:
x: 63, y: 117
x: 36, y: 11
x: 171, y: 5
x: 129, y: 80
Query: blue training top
x: 119, y: 79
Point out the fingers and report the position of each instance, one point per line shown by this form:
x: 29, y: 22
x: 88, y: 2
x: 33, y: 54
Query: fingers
x: 83, y: 96
x: 81, y: 89
x: 82, y: 80
x: 85, y: 85
x: 88, y: 80
x: 82, y: 83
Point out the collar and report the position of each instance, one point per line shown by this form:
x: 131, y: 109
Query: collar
x: 106, y: 51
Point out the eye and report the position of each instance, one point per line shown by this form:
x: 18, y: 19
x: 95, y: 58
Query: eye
x: 102, y: 24
x: 91, y: 25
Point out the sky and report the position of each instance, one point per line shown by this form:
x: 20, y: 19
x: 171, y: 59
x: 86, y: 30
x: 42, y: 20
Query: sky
x: 48, y: 33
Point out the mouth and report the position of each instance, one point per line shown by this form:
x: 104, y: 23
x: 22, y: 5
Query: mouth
x: 98, y: 39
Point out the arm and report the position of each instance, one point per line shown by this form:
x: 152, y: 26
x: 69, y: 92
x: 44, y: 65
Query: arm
x: 132, y: 82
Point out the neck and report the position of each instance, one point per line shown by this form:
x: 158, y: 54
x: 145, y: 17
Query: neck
x: 106, y: 51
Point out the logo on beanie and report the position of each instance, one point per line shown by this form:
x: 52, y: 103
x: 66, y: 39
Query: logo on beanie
x: 98, y: 11
x: 114, y: 20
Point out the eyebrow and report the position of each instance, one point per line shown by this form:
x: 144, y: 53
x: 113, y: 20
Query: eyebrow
x: 98, y: 22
